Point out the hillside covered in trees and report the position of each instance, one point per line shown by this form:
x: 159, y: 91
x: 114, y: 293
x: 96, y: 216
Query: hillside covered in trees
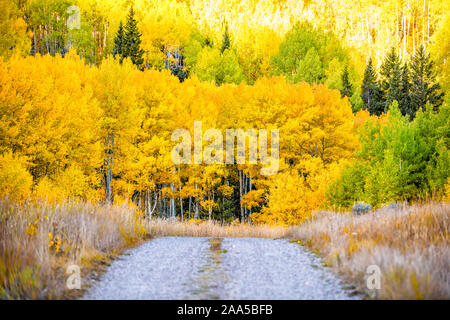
x: 91, y: 91
x: 350, y: 99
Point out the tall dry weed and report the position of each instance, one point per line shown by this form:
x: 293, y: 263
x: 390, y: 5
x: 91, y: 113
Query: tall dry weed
x: 410, y: 245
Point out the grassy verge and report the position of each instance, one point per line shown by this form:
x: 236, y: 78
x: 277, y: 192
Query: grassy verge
x: 194, y: 228
x: 39, y: 240
x: 410, y: 245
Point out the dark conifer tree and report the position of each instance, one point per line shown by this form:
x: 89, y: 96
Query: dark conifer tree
x: 226, y: 42
x: 371, y: 92
x: 405, y: 92
x: 119, y: 42
x: 391, y: 61
x: 347, y: 89
x: 424, y: 87
x: 394, y: 86
x: 132, y: 47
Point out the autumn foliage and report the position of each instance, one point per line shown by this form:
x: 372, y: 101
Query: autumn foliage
x: 65, y: 119
x: 75, y: 122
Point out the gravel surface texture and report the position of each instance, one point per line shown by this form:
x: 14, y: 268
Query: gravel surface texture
x: 215, y: 268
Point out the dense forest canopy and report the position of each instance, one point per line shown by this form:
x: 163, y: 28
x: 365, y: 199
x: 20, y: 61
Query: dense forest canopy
x: 358, y: 90
x: 256, y: 28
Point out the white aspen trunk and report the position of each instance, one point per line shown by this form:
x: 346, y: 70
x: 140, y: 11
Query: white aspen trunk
x: 181, y: 206
x: 165, y: 205
x: 240, y: 195
x: 196, y: 205
x: 161, y: 205
x: 428, y: 23
x: 154, y: 204
x: 397, y: 33
x: 414, y: 33
x: 47, y: 42
x: 404, y: 37
x: 423, y: 24
x: 196, y: 215
x: 172, y: 201
x: 173, y: 207
x: 190, y: 201
x: 408, y: 25
x: 250, y: 189
x: 109, y: 163
x: 149, y: 203
x: 245, y: 192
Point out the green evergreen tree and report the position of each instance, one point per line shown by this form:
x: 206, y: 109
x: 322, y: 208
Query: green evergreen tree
x: 226, y: 42
x: 119, y: 42
x: 390, y: 78
x: 405, y: 93
x: 132, y: 47
x: 393, y: 92
x: 371, y: 92
x: 424, y: 87
x: 391, y: 61
x: 347, y: 89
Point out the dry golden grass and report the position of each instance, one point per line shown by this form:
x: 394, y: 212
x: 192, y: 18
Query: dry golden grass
x: 410, y: 245
x: 197, y: 228
x: 39, y: 240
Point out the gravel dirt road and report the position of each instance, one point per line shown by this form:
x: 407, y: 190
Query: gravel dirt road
x: 216, y: 268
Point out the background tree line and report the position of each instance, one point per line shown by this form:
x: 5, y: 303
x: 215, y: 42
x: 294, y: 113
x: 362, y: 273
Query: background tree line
x: 222, y: 42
